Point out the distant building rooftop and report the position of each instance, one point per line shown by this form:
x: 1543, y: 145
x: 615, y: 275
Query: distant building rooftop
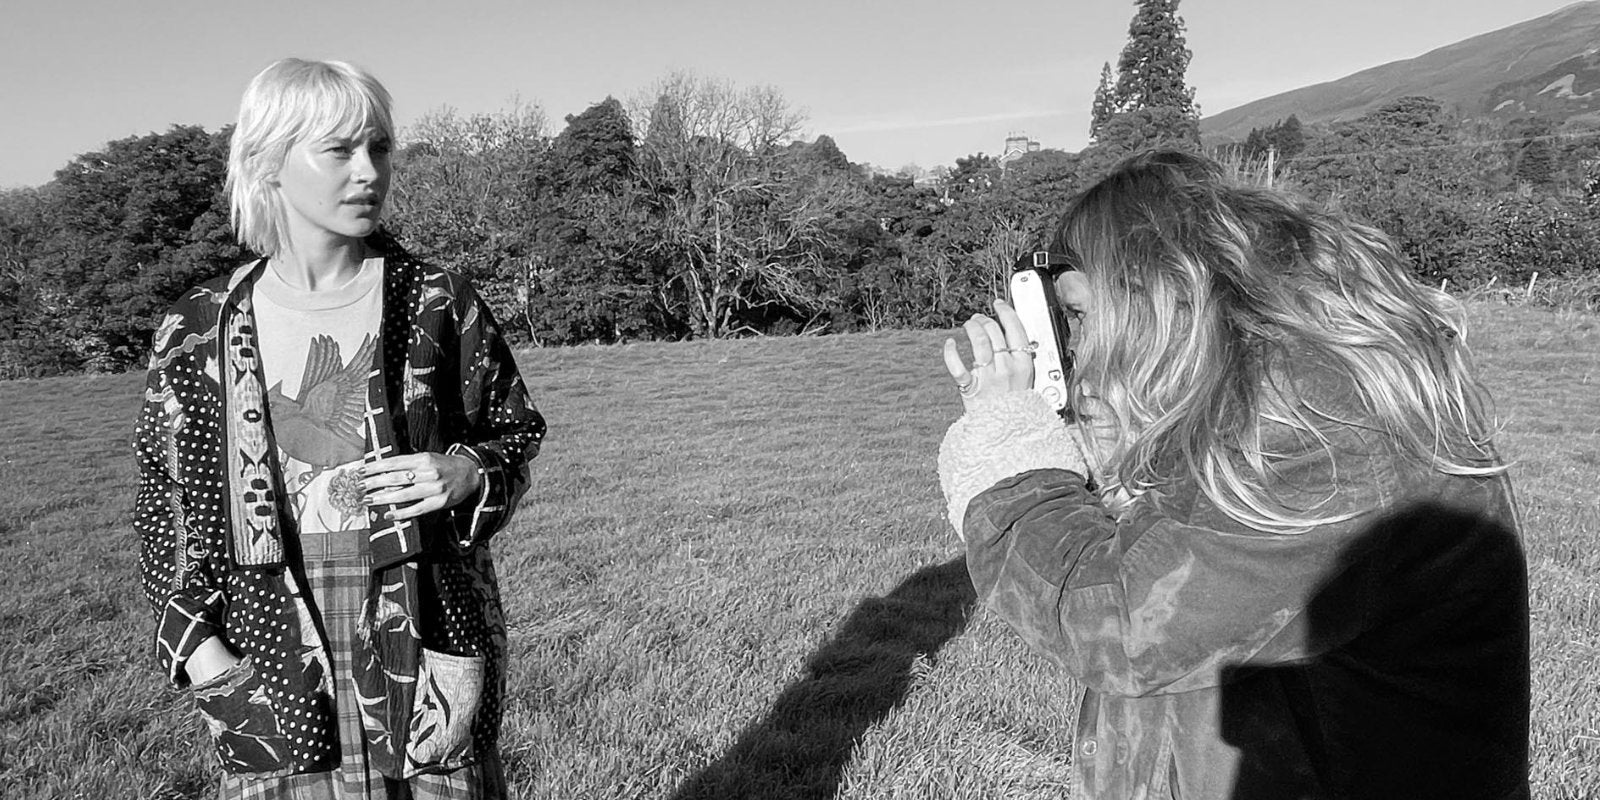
x: 1017, y: 145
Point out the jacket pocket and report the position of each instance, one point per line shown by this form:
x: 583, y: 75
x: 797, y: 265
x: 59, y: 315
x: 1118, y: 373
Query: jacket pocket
x: 239, y: 716
x: 449, y: 690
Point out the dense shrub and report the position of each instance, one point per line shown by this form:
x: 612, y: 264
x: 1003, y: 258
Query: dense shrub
x: 36, y: 358
x: 1519, y: 235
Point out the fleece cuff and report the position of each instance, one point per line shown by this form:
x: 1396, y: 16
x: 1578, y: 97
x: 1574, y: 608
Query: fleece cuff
x: 1001, y: 436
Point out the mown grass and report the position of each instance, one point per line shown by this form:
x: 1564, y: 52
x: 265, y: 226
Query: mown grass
x: 730, y: 579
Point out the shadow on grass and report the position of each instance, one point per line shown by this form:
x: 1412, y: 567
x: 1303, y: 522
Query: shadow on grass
x: 800, y: 748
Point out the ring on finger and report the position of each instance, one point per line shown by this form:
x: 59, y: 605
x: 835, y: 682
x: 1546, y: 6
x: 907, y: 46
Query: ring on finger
x: 969, y: 388
x: 411, y: 477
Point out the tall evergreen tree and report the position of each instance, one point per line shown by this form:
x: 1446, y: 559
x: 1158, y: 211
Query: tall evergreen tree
x: 1150, y: 105
x: 1290, y: 137
x: 1104, y: 102
x: 588, y: 279
x: 1257, y: 143
x: 594, y: 151
x: 1150, y: 72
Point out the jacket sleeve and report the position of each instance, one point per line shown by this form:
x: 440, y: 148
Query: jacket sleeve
x: 181, y: 571
x: 1165, y: 596
x: 505, y: 429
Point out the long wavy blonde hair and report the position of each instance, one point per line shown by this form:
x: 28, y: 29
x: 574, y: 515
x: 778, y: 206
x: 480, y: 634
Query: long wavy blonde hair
x: 1207, y: 293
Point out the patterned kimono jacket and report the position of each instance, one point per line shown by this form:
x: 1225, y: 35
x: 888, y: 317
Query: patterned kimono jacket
x: 214, y: 555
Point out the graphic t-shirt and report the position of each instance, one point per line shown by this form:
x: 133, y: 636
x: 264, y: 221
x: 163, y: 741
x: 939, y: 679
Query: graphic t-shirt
x: 316, y: 352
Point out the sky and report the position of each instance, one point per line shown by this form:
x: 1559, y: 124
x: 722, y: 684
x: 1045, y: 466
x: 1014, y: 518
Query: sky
x: 893, y: 82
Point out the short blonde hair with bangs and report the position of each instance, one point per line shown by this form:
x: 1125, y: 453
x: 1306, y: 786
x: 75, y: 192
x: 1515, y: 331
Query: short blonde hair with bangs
x: 1209, y: 294
x: 290, y: 101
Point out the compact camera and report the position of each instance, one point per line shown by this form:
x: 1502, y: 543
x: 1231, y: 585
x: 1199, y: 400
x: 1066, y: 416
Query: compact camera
x: 1033, y: 295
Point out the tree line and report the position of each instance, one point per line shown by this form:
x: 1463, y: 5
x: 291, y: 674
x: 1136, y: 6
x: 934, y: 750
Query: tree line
x: 700, y: 210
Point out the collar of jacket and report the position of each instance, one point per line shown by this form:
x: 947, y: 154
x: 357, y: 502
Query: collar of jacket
x: 256, y: 539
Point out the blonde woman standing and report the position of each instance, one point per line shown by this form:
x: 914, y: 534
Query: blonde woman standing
x: 330, y: 437
x: 1300, y: 573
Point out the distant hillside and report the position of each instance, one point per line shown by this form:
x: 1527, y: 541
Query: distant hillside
x: 1569, y: 90
x: 1550, y: 64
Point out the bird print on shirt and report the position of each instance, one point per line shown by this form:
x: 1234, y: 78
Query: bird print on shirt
x: 322, y: 426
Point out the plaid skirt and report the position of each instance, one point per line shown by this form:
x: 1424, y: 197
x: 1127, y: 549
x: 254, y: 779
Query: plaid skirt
x: 337, y: 568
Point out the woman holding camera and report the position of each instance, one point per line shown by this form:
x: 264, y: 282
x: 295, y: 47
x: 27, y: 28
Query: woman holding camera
x: 330, y: 436
x: 1298, y: 571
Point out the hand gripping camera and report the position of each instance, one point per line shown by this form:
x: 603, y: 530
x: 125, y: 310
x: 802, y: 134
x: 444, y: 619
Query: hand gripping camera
x: 1033, y: 295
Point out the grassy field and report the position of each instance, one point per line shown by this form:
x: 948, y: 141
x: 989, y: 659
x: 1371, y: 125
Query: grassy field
x: 730, y: 579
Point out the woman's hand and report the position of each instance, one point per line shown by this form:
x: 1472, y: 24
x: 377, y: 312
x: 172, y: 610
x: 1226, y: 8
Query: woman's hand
x: 427, y: 482
x: 1002, y: 360
x: 209, y: 660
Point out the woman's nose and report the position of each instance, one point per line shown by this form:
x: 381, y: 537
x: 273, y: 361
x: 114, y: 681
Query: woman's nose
x: 363, y: 169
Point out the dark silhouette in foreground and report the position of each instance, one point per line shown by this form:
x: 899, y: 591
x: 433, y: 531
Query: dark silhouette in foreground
x: 1430, y: 700
x: 799, y: 749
